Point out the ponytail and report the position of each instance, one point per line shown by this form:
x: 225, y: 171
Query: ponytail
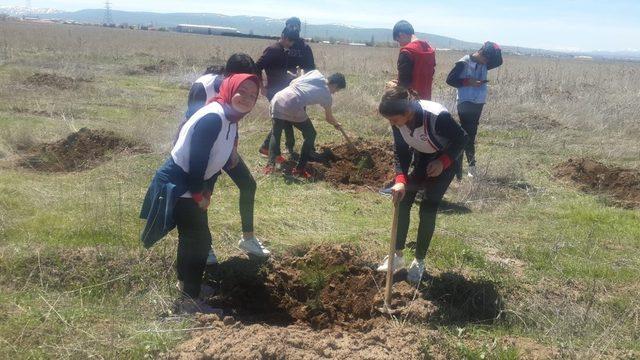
x: 396, y: 99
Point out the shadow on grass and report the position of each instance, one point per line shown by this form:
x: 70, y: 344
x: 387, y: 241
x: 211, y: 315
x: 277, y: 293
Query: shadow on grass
x: 461, y: 300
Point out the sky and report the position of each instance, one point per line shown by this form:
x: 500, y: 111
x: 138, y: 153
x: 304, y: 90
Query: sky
x: 578, y: 25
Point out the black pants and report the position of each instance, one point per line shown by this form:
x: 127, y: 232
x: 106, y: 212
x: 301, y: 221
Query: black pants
x: 469, y: 119
x: 289, y: 138
x: 308, y: 134
x: 435, y: 189
x: 194, y: 243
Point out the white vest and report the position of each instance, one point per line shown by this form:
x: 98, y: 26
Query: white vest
x: 207, y: 81
x: 222, y: 146
x: 424, y: 138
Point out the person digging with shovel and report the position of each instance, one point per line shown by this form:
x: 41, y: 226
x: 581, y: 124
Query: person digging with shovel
x: 429, y: 141
x: 288, y: 107
x: 178, y: 196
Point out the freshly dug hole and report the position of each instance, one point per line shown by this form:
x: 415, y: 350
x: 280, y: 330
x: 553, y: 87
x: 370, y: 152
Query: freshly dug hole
x: 623, y: 185
x: 81, y: 150
x: 328, y: 286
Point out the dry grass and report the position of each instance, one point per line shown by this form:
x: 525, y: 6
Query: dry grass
x: 570, y: 269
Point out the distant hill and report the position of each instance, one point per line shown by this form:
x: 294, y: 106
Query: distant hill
x: 258, y: 25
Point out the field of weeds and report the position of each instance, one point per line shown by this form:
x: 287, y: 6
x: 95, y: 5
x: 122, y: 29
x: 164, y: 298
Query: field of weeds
x: 537, y: 258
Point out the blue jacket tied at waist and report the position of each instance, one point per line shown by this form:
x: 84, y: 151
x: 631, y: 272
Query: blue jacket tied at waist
x: 167, y: 186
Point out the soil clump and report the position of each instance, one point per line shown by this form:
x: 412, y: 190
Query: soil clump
x: 79, y: 151
x: 619, y: 184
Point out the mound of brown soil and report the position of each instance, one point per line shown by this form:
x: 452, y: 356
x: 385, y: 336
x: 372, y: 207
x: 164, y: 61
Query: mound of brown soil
x: 258, y: 341
x: 622, y: 185
x: 159, y: 67
x: 369, y: 165
x: 51, y: 80
x: 329, y: 286
x: 322, y: 302
x: 81, y: 150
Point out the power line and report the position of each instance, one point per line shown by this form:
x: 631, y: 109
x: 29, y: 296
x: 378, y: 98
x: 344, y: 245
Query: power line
x: 108, y: 18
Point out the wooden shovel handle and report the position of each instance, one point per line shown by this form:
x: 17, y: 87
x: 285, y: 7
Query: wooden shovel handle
x: 392, y: 250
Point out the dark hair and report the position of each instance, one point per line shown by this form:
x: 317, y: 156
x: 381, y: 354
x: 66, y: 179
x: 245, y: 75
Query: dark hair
x: 293, y: 22
x: 402, y: 27
x: 214, y: 69
x: 396, y: 100
x: 493, y: 53
x: 291, y: 34
x: 240, y: 63
x: 338, y: 80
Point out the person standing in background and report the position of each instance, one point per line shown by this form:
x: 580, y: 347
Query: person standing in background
x: 469, y: 76
x: 416, y: 61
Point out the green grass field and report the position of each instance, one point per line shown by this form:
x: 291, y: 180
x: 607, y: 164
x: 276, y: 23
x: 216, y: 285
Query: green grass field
x: 76, y: 282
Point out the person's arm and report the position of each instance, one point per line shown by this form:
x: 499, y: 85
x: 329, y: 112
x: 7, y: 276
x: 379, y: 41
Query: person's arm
x: 453, y: 79
x: 448, y: 128
x: 405, y: 69
x: 263, y: 64
x: 328, y: 115
x: 204, y: 135
x: 402, y: 155
x: 197, y: 99
x: 309, y: 62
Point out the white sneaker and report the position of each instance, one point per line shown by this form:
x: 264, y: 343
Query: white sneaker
x: 414, y: 274
x: 253, y: 246
x: 211, y: 259
x: 398, y: 263
x: 472, y: 172
x: 206, y: 291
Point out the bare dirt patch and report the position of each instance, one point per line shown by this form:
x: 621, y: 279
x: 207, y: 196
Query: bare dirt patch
x: 54, y: 81
x: 79, y: 151
x: 161, y: 66
x: 322, y: 302
x: 619, y: 184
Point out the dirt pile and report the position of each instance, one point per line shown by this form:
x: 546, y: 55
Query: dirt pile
x: 81, y: 150
x: 622, y: 185
x: 322, y: 286
x: 258, y: 341
x: 321, y: 302
x: 51, y: 80
x: 161, y: 66
x: 369, y: 165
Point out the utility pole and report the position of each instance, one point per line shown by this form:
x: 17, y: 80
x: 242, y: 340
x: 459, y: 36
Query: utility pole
x: 108, y: 18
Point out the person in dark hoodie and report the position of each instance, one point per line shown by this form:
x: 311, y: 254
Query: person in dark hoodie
x: 469, y: 76
x: 416, y: 61
x: 274, y: 61
x: 178, y: 195
x: 427, y: 144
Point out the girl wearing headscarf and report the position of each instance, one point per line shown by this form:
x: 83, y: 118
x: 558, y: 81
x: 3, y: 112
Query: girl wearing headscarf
x: 180, y: 192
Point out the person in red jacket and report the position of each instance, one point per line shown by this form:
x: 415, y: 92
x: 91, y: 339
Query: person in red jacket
x: 416, y: 62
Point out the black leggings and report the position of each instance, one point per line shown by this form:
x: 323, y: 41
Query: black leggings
x: 289, y: 138
x: 435, y: 189
x: 194, y: 236
x: 308, y: 133
x: 194, y: 243
x: 469, y: 119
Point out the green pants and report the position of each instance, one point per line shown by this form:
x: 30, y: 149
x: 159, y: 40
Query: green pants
x: 308, y: 134
x: 433, y: 194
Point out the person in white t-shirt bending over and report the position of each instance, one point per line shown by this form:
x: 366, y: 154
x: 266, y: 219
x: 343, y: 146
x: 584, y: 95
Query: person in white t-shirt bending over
x: 288, y: 106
